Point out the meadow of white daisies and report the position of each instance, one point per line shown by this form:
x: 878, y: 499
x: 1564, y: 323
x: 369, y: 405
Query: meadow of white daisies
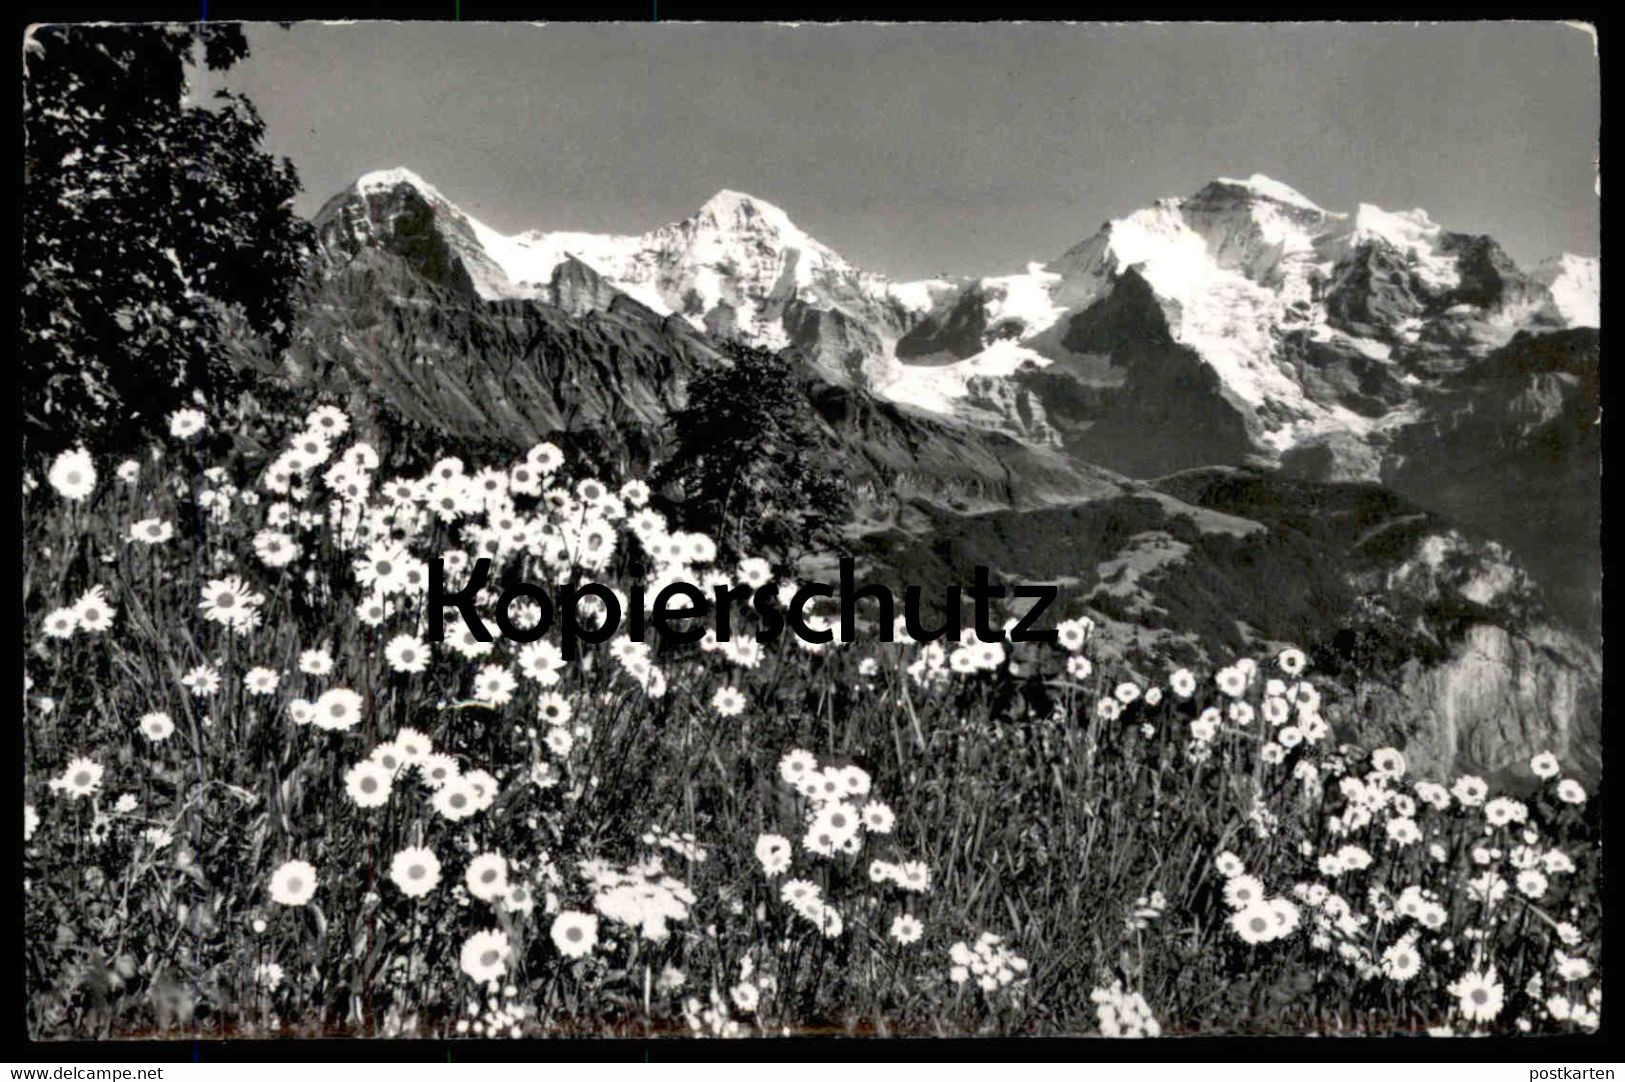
x: 258, y: 803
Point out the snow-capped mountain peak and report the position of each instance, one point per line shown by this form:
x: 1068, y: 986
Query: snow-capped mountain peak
x: 1410, y: 232
x: 382, y: 180
x: 387, y: 206
x: 743, y: 238
x: 1307, y: 322
x: 738, y: 267
x: 1575, y: 282
x: 741, y: 211
x: 1261, y: 185
x: 1304, y: 321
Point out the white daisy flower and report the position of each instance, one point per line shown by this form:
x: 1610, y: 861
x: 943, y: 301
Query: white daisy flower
x: 487, y: 876
x: 337, y: 710
x: 186, y: 423
x: 368, y: 783
x: 1241, y: 891
x: 773, y: 852
x: 261, y: 681
x: 201, y: 681
x: 414, y: 746
x: 878, y: 817
x: 93, y: 611
x: 494, y: 685
x: 485, y: 956
x: 906, y: 929
x: 61, y: 623
x: 156, y: 726
x: 407, y: 654
x: 1479, y: 995
x: 574, y: 933
x: 415, y: 870
x: 151, y: 531
x: 1570, y: 791
x: 437, y: 769
x: 294, y: 883
x: 73, y: 474
x: 81, y: 778
x: 457, y: 799
x: 316, y: 662
x: 728, y: 702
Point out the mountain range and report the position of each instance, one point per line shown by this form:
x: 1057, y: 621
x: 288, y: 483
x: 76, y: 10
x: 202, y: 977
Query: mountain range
x: 1223, y: 421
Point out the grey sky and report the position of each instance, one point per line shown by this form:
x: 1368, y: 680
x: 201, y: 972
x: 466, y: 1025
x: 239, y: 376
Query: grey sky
x: 915, y: 150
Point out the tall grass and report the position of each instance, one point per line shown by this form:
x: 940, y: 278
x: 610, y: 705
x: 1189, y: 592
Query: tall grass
x: 1103, y: 825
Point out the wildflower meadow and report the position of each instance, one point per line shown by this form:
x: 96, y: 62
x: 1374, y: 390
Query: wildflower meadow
x: 260, y: 802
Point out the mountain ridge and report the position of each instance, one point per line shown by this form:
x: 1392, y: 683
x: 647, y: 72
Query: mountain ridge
x: 1249, y: 272
x: 1086, y: 426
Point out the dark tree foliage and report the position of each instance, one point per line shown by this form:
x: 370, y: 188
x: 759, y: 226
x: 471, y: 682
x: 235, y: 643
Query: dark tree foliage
x: 151, y: 224
x: 751, y: 463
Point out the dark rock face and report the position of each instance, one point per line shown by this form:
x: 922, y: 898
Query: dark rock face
x: 1334, y: 456
x: 432, y: 238
x: 1172, y: 411
x: 903, y: 453
x: 722, y: 321
x: 578, y: 289
x: 1511, y: 447
x: 829, y: 338
x: 1337, y: 373
x: 1016, y: 406
x: 504, y: 373
x: 958, y: 333
x: 1373, y: 292
x: 1488, y: 275
x: 1129, y: 318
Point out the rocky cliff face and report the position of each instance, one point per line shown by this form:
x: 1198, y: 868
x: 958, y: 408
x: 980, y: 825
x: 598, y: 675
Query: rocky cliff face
x: 1512, y: 448
x: 1497, y: 679
x: 1500, y: 699
x: 1440, y: 644
x: 511, y: 372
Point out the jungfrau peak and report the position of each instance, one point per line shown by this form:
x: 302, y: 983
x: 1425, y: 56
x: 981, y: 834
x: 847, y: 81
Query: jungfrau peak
x: 1247, y: 309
